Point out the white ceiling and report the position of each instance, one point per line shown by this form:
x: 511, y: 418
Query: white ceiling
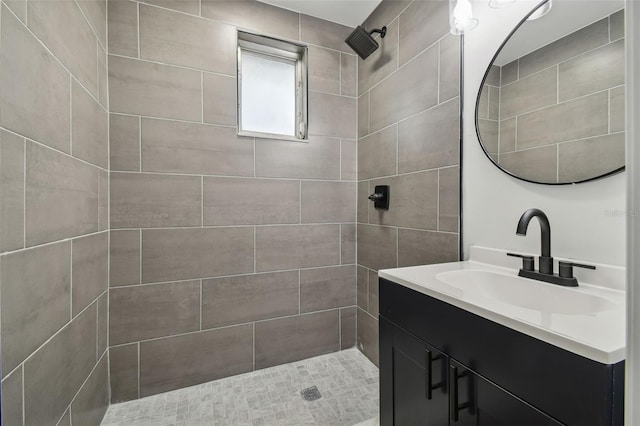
x: 346, y: 12
x: 565, y: 17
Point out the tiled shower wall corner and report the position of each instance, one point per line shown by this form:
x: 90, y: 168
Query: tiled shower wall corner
x: 578, y: 78
x: 408, y: 138
x: 228, y: 254
x: 54, y: 196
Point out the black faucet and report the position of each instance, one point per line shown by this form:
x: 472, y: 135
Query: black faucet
x: 545, y: 261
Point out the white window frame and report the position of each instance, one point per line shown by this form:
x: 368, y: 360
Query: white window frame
x: 287, y: 52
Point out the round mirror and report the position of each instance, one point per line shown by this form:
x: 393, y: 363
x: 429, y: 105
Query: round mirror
x: 551, y: 106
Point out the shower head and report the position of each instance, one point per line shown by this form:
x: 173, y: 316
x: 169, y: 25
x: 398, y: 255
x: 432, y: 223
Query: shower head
x: 362, y: 42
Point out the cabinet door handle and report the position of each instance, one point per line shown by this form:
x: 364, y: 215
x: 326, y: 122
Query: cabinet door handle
x: 454, y: 407
x: 429, y: 386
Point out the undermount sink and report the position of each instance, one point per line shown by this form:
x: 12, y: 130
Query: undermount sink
x: 525, y: 293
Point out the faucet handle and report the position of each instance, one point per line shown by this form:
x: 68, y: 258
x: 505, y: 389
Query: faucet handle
x: 566, y: 268
x: 527, y: 261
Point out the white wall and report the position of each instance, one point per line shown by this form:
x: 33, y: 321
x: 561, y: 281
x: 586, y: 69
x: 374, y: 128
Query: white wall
x: 587, y: 220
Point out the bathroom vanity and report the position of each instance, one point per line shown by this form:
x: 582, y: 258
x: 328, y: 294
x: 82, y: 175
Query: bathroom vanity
x: 471, y: 343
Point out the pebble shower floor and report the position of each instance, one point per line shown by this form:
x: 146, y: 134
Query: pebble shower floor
x: 346, y: 380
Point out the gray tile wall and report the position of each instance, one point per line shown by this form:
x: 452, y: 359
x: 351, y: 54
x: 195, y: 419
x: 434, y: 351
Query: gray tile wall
x: 572, y: 88
x: 54, y: 238
x: 408, y: 138
x: 228, y: 254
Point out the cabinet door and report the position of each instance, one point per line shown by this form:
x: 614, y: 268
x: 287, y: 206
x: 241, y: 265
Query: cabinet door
x: 474, y: 400
x: 417, y: 376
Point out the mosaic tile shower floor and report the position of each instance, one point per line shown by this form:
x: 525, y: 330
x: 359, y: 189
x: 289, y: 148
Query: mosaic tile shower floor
x: 347, y: 381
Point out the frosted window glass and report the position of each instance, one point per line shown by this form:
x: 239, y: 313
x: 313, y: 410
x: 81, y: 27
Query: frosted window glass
x: 268, y: 95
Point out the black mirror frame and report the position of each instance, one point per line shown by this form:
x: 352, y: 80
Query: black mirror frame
x: 484, y: 79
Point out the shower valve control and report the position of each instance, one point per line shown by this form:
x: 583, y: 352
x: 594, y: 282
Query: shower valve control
x: 380, y: 197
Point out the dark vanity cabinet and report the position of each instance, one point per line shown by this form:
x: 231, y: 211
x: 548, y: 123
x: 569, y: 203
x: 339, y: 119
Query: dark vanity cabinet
x: 441, y: 365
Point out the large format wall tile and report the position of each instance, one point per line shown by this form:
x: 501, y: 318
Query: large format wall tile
x: 89, y: 128
x: 328, y: 202
x: 96, y: 13
x: 380, y: 63
x: 331, y: 115
x: 387, y: 11
x: 253, y: 15
x: 123, y: 365
x: 348, y: 75
x: 377, y: 153
x: 327, y: 288
x: 219, y: 98
x: 63, y: 29
x: 426, y: 247
x: 124, y: 261
x: 537, y: 164
x: 363, y: 202
x: 348, y: 243
x: 11, y: 191
x: 430, y: 139
x: 323, y: 33
x: 317, y: 159
x: 362, y: 287
x: 175, y: 362
x: 178, y: 254
x: 324, y: 70
x: 239, y: 201
x: 123, y: 28
x: 527, y: 94
x: 580, y: 160
x: 363, y: 115
x: 616, y: 109
x: 89, y: 406
x: 377, y: 246
x: 148, y: 311
x: 140, y: 200
x: 591, y: 72
x: 34, y: 87
x: 616, y: 25
x: 171, y: 146
x: 291, y: 339
x: 35, y: 299
x: 415, y: 201
x: 124, y: 142
x: 368, y: 335
x: 449, y: 84
x: 348, y: 327
x: 178, y: 39
x: 590, y: 37
x: 54, y: 374
x: 155, y: 90
x: 374, y: 291
x: 576, y: 119
x: 61, y: 196
x: 103, y: 324
x: 248, y: 298
x: 297, y: 246
x: 412, y: 89
x: 415, y: 34
x: 348, y: 159
x: 12, y: 398
x: 448, y: 199
x: 90, y: 269
x: 191, y: 7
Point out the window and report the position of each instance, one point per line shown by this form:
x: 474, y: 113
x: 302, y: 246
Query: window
x: 272, y: 88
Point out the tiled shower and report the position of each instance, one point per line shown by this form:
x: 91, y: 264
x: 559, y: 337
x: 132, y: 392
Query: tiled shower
x: 146, y: 247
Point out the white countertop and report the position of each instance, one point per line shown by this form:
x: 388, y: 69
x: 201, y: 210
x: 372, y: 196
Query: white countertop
x: 541, y: 311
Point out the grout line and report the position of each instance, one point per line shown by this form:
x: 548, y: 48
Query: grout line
x: 24, y: 413
x: 274, y: 225
x: 167, y: 64
x: 71, y: 281
x: 140, y: 257
x: 43, y: 145
x: 139, y: 369
x: 248, y: 274
x: 70, y: 115
x: 24, y: 194
x: 232, y: 326
x: 235, y: 177
x: 138, y: 26
x: 139, y: 144
x: 6, y: 253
